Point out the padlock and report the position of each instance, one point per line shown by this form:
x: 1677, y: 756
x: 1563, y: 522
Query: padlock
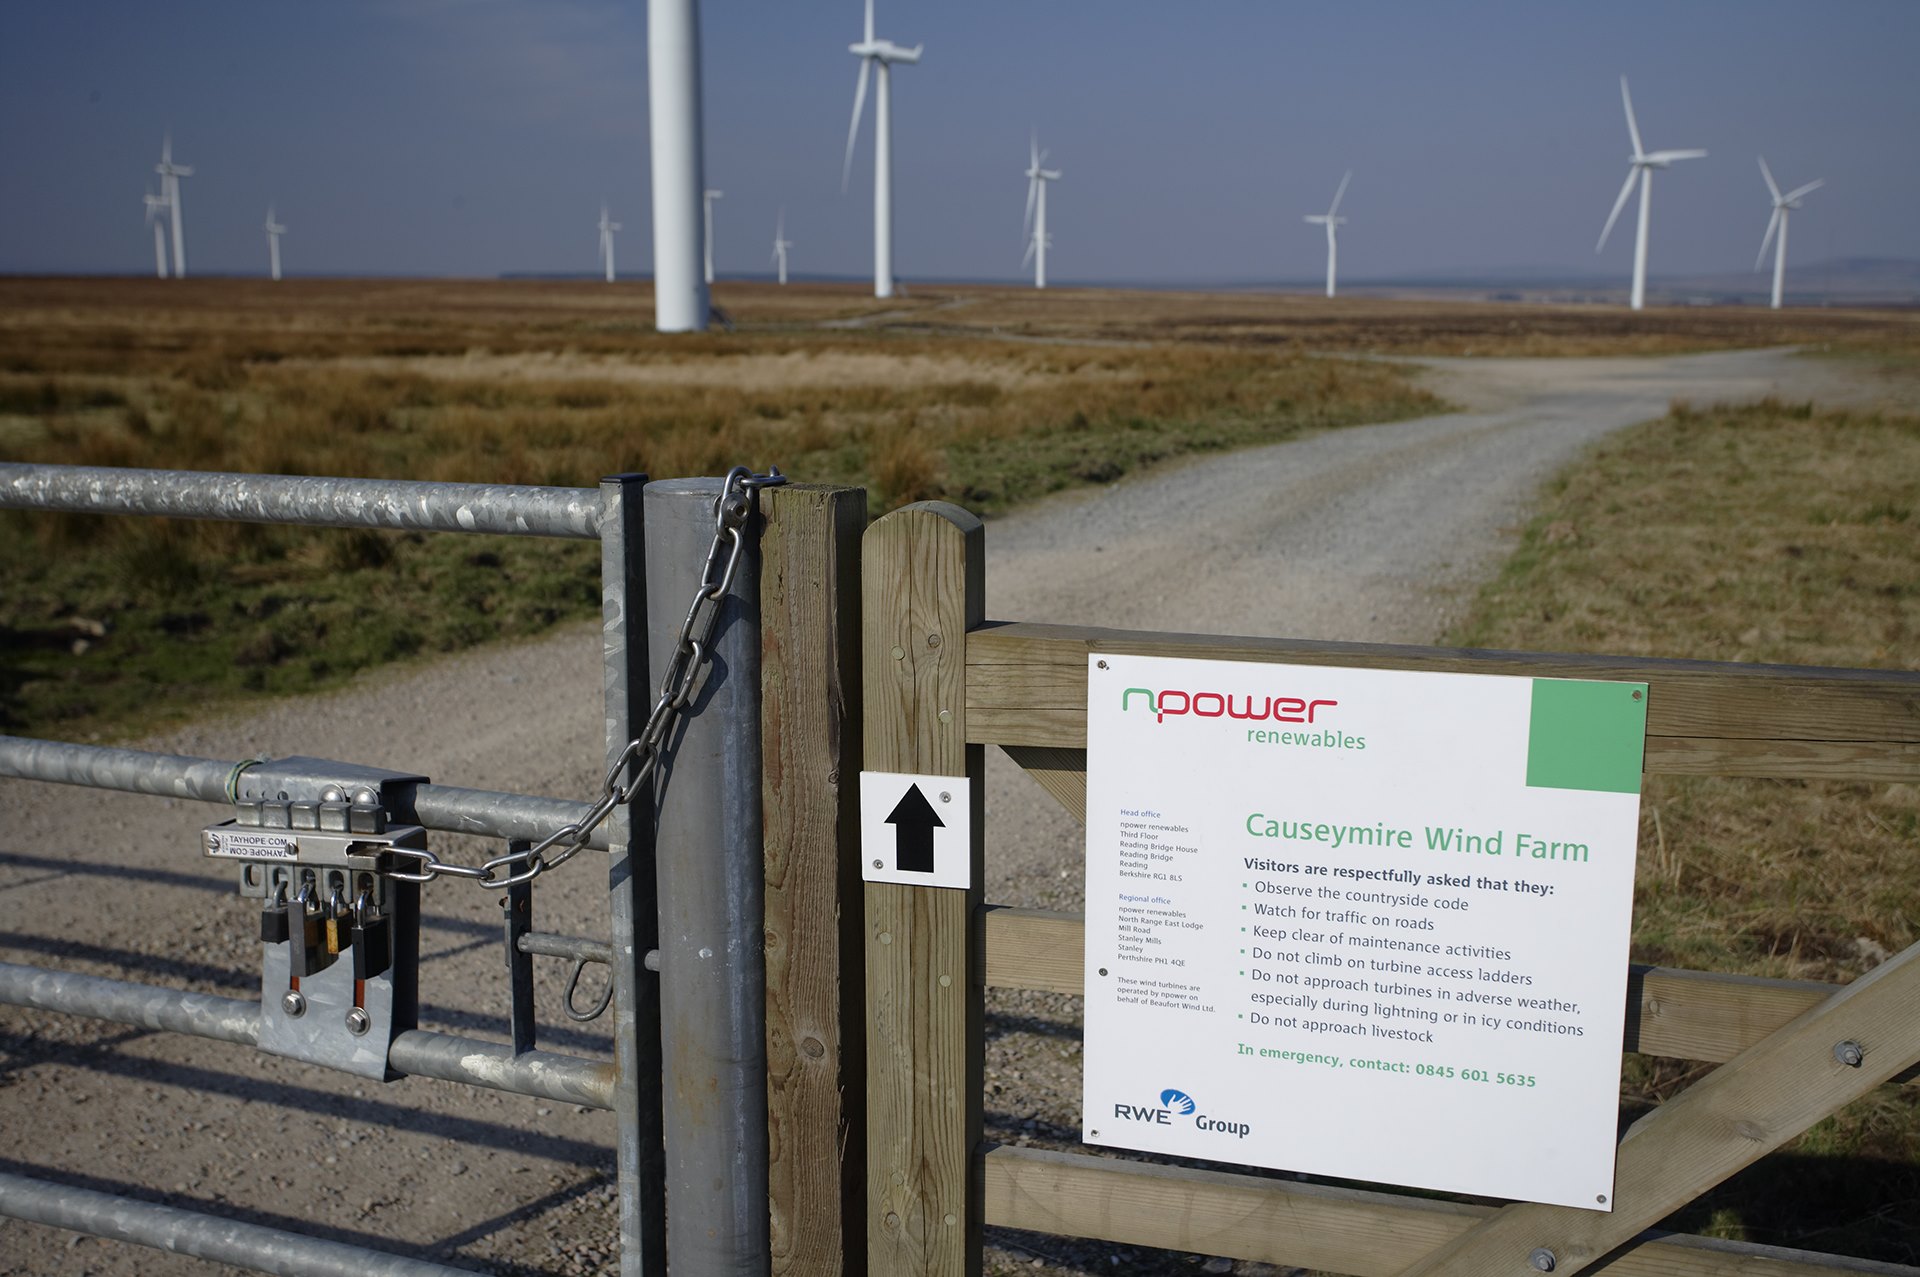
x: 273, y: 920
x: 372, y: 940
x: 306, y: 955
x: 336, y: 925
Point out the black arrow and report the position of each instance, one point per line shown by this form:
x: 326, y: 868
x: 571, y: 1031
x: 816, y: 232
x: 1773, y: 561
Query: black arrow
x: 914, y: 820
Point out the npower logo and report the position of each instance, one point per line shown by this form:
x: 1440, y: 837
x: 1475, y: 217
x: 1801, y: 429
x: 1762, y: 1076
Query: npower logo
x: 1176, y: 701
x: 1177, y: 1103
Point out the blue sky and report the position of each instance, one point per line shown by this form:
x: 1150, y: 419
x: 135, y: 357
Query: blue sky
x: 475, y: 137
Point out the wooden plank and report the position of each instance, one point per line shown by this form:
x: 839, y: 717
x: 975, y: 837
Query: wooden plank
x: 1784, y: 759
x: 922, y: 574
x: 1027, y: 686
x: 816, y: 987
x: 1035, y: 949
x: 1746, y: 1108
x: 1061, y: 772
x: 1686, y: 1015
x: 1314, y: 1226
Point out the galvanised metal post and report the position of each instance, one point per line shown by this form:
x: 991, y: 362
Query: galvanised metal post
x: 630, y: 883
x: 712, y: 917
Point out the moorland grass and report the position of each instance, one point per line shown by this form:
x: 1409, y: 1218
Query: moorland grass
x: 108, y: 626
x: 1760, y: 532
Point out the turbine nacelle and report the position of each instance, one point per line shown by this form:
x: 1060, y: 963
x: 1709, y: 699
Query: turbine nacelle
x: 1664, y: 159
x: 886, y: 51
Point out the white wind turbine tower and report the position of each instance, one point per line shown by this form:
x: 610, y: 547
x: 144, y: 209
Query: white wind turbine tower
x: 1782, y: 205
x: 706, y: 208
x: 607, y: 228
x: 1641, y: 165
x: 781, y: 244
x: 1330, y: 219
x: 680, y: 302
x: 170, y: 175
x: 882, y: 54
x: 156, y: 205
x: 274, y: 231
x: 1037, y: 179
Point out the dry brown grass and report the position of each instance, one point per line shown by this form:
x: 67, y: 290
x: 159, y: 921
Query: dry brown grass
x: 517, y: 383
x: 1769, y: 532
x: 1378, y: 325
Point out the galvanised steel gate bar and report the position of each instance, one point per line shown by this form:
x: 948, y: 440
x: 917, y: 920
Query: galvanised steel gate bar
x: 613, y: 514
x: 448, y: 808
x: 186, y: 1232
x: 541, y: 1074
x: 398, y: 504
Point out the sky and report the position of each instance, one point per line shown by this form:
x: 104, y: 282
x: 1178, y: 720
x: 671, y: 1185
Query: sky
x: 479, y: 137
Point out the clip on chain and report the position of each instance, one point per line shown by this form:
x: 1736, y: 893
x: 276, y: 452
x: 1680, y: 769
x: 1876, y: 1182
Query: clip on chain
x: 691, y: 653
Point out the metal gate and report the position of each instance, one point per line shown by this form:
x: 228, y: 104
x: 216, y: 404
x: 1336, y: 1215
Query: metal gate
x: 336, y: 855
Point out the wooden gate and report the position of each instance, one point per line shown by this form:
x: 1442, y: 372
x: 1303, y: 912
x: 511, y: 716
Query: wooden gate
x: 941, y: 682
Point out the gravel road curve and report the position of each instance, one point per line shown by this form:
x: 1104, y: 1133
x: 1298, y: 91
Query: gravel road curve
x: 1373, y: 532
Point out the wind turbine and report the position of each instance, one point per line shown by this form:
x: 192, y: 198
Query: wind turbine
x: 274, y: 231
x: 1037, y: 179
x: 882, y: 54
x: 170, y: 175
x: 706, y: 207
x: 1782, y: 205
x: 1330, y: 219
x: 156, y: 205
x: 607, y: 228
x: 781, y: 243
x: 1640, y: 164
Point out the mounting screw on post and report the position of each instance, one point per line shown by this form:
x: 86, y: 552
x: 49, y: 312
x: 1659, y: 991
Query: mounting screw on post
x: 1849, y: 1053
x: 1542, y: 1260
x: 293, y: 1004
x: 358, y: 1022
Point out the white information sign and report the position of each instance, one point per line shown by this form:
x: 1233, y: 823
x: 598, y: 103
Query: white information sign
x: 916, y: 830
x: 1369, y: 924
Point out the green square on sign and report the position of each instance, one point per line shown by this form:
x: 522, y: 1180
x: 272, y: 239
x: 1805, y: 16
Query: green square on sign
x: 1586, y: 735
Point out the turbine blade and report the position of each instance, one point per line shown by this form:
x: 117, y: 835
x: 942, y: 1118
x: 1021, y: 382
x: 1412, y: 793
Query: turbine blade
x: 1633, y: 128
x: 1617, y: 204
x: 1033, y: 148
x: 1033, y: 192
x: 1773, y: 224
x: 859, y: 104
x: 1339, y: 193
x: 1032, y: 242
x: 1797, y: 192
x: 1667, y: 157
x: 869, y: 21
x: 1772, y: 186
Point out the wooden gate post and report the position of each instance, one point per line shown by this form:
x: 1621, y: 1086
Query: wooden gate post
x: 923, y: 587
x: 810, y: 757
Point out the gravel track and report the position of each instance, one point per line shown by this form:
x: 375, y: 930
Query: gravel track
x: 1375, y: 532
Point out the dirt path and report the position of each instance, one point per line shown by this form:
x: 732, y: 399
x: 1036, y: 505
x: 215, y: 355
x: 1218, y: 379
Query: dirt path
x: 1372, y: 532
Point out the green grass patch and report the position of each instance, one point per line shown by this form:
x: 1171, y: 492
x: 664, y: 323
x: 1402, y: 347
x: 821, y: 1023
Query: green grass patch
x: 1758, y: 532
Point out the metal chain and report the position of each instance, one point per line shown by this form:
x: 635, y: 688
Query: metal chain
x: 691, y: 653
